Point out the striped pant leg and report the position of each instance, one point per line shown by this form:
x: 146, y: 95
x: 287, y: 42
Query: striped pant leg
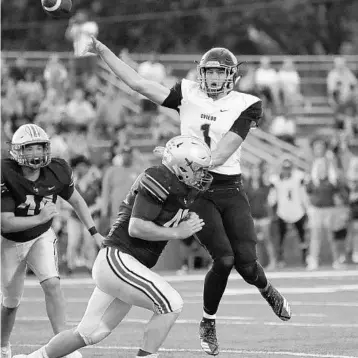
x: 121, y: 275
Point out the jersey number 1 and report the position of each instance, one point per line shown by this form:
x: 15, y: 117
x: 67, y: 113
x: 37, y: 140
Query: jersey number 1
x: 205, y: 129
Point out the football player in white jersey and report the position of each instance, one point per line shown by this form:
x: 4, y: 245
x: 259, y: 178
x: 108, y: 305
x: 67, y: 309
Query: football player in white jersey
x: 210, y: 109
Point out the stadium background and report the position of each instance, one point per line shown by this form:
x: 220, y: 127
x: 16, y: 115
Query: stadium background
x: 310, y: 33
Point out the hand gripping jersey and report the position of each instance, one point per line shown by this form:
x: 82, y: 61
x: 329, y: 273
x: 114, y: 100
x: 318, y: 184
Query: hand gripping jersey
x: 158, y: 196
x: 26, y: 198
x: 202, y: 117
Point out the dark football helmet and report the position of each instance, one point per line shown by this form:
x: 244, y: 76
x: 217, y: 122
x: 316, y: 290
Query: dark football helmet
x: 221, y: 58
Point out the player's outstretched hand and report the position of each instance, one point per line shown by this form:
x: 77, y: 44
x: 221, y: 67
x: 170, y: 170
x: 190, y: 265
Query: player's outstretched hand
x: 190, y: 226
x: 48, y: 212
x: 93, y: 46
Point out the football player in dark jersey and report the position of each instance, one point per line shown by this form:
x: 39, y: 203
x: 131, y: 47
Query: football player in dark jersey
x: 154, y: 211
x: 31, y: 181
x: 209, y: 108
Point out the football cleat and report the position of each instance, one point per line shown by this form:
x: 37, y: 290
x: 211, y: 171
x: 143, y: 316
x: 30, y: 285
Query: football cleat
x: 6, y: 351
x: 278, y: 303
x: 208, y: 340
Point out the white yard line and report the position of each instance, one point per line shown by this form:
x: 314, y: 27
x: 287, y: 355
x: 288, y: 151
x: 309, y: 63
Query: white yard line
x: 30, y: 282
x: 228, y: 351
x: 220, y: 319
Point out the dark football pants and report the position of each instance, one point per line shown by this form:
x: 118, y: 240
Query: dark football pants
x: 230, y: 238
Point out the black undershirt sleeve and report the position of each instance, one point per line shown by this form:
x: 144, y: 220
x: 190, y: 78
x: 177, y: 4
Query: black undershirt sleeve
x: 249, y: 118
x: 174, y: 98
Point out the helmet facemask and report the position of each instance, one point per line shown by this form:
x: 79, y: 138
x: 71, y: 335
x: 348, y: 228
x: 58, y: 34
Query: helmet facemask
x: 223, y: 86
x: 17, y: 152
x: 194, y: 176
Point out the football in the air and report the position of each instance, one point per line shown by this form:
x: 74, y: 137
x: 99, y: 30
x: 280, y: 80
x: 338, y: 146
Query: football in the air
x: 57, y: 8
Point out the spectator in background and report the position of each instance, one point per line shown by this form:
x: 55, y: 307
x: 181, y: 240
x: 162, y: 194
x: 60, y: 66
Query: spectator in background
x: 126, y: 57
x: 117, y: 181
x: 322, y: 188
x: 111, y: 115
x: 247, y: 82
x: 257, y: 192
x: 289, y: 83
x: 59, y: 146
x: 80, y: 112
x: 56, y: 76
x: 352, y: 237
x: 31, y: 94
x: 289, y: 199
x: 81, y: 248
x: 339, y: 82
x: 18, y: 71
x: 152, y: 70
x: 267, y: 83
x: 80, y: 30
x: 284, y: 127
x: 12, y: 108
x: 52, y: 109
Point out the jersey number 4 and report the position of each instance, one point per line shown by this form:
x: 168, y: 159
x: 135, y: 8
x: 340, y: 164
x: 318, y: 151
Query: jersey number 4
x: 205, y: 129
x: 33, y: 203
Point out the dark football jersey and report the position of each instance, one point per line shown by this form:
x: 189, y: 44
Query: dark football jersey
x: 26, y: 198
x: 158, y: 196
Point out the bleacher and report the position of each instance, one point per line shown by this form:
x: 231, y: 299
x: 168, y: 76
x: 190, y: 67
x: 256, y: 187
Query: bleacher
x: 259, y: 145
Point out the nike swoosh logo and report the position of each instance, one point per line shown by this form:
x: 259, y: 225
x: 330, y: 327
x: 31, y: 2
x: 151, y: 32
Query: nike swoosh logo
x: 223, y: 110
x: 52, y: 187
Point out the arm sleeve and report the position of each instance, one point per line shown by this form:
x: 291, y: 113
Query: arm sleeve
x: 146, y: 207
x: 69, y: 186
x: 174, y: 98
x: 249, y: 117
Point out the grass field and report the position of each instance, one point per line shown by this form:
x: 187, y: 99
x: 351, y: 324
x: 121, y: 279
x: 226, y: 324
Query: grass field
x: 324, y: 322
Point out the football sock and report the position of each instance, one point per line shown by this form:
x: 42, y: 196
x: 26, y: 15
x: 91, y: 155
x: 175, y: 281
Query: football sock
x: 214, y: 288
x: 266, y: 288
x: 40, y: 353
x: 209, y: 316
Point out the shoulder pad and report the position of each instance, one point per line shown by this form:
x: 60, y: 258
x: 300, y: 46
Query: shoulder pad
x: 156, y: 181
x: 244, y: 100
x: 7, y: 167
x: 62, y: 170
x: 189, y: 88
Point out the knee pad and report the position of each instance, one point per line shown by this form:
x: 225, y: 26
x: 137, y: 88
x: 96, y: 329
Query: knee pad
x: 173, y: 303
x: 176, y: 302
x: 223, y: 265
x: 11, y: 302
x: 93, y: 335
x: 252, y: 273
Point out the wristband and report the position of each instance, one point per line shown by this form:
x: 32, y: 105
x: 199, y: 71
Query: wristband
x: 92, y: 230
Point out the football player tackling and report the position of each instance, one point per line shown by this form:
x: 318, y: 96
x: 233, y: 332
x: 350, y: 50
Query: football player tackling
x: 154, y: 211
x: 210, y: 109
x: 31, y: 181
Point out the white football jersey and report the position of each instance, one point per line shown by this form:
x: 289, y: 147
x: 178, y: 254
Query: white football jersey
x: 290, y: 196
x: 209, y: 119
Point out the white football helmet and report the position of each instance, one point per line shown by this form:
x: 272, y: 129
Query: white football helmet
x: 29, y: 134
x: 189, y: 158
